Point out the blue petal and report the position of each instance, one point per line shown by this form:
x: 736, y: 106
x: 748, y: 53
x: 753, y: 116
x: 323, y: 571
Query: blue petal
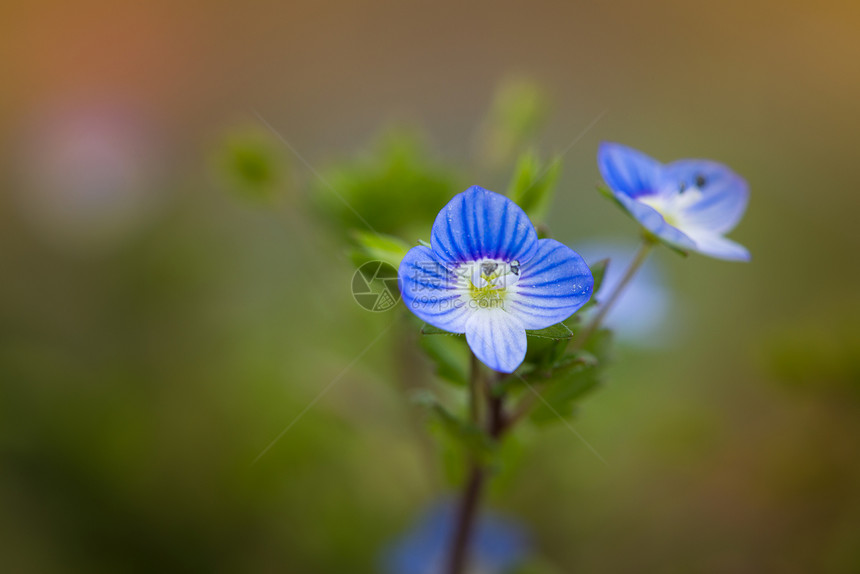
x: 498, y: 543
x: 627, y: 170
x: 427, y: 288
x: 552, y: 286
x: 651, y: 220
x: 478, y: 224
x: 724, y: 194
x: 497, y: 338
x: 717, y: 246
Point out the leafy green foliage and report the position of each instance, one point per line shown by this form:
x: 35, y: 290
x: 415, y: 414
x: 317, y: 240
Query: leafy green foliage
x: 428, y: 329
x: 397, y: 189
x: 533, y: 184
x: 573, y: 377
x: 450, y: 355
x: 461, y: 431
x: 545, y: 347
x: 378, y: 247
x: 557, y: 332
x: 608, y: 194
x: 598, y: 271
x: 543, y: 352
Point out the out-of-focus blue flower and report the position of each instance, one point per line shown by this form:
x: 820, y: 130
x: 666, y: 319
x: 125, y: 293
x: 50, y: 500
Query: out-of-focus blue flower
x: 690, y: 203
x: 498, y: 545
x: 487, y: 275
x: 640, y: 314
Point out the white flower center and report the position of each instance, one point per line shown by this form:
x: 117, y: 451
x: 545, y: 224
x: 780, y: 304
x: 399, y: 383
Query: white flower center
x: 673, y: 205
x: 486, y: 281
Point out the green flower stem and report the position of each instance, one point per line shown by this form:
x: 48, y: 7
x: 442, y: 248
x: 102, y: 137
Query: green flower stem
x: 638, y: 260
x: 470, y: 500
x: 474, y: 389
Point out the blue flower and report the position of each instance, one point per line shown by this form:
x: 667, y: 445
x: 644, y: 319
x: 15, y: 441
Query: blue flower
x: 489, y: 276
x: 690, y: 203
x: 498, y: 545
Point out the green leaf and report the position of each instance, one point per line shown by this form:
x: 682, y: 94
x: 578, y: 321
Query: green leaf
x: 608, y: 194
x: 543, y: 352
x: 379, y: 247
x: 559, y: 331
x: 462, y: 431
x: 648, y: 236
x: 395, y: 186
x: 429, y: 329
x: 561, y: 366
x: 545, y: 346
x: 533, y: 184
x: 544, y: 374
x: 450, y: 355
x: 565, y: 387
x: 598, y: 271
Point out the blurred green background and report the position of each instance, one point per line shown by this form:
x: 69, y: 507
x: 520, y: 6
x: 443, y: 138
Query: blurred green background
x: 176, y: 281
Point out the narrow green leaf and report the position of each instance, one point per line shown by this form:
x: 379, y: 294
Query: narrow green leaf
x: 544, y: 374
x: 379, y: 247
x: 565, y: 387
x: 543, y: 352
x: 648, y: 236
x: 450, y: 355
x: 533, y: 184
x: 607, y: 193
x: 570, y: 379
x: 462, y: 431
x: 598, y: 271
x: 428, y: 329
x: 373, y: 185
x: 558, y: 331
x: 561, y: 366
